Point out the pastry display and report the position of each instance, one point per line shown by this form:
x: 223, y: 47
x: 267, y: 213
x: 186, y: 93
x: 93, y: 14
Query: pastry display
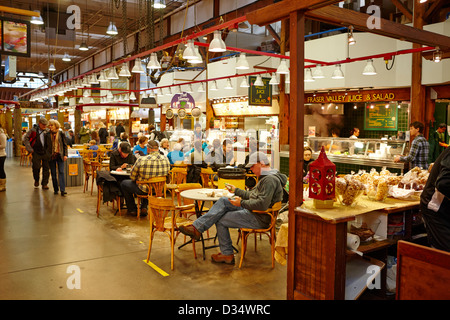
x: 349, y: 189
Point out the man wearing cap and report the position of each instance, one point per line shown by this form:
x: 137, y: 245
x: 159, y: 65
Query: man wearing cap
x: 237, y: 212
x: 39, y: 144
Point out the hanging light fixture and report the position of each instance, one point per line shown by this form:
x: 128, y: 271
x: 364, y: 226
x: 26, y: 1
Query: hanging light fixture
x: 66, y: 57
x: 93, y: 79
x: 242, y: 63
x: 308, y: 76
x: 274, y: 80
x: 337, y: 73
x: 287, y: 80
x: 189, y: 52
x: 258, y: 82
x: 217, y: 44
x: 83, y: 46
x: 125, y: 71
x: 159, y: 4
x: 437, y: 55
x: 351, y: 39
x: 152, y: 94
x: 214, y: 86
x: 169, y: 91
x: 112, y: 29
x: 318, y: 73
x: 138, y: 66
x: 51, y: 67
x: 228, y: 86
x: 66, y: 100
x: 153, y: 63
x: 40, y: 75
x: 37, y: 20
x: 102, y: 76
x: 283, y: 68
x: 112, y: 74
x: 132, y: 96
x: 369, y: 69
x: 198, y: 57
x: 190, y: 89
x: 244, y: 83
x: 201, y: 88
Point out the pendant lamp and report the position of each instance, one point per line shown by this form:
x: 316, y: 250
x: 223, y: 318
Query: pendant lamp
x: 369, y: 69
x: 138, y: 66
x: 242, y: 63
x: 217, y: 44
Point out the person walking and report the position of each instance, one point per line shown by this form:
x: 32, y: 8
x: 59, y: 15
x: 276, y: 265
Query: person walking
x: 39, y: 144
x: 2, y: 159
x: 58, y: 157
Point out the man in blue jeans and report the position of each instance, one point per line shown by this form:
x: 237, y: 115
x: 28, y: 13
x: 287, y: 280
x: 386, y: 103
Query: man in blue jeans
x: 237, y: 212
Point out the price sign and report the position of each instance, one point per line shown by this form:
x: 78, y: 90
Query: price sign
x: 259, y: 95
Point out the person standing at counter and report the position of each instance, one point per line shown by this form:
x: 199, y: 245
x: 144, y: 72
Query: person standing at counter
x: 418, y: 154
x: 307, y: 159
x: 354, y: 133
x: 437, y: 142
x: 435, y: 203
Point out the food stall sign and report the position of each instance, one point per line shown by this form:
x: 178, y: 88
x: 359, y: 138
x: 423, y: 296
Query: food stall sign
x: 381, y: 116
x: 259, y: 95
x: 148, y: 103
x: 182, y: 101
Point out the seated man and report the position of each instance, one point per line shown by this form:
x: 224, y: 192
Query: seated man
x: 237, y: 213
x: 122, y: 157
x: 146, y: 167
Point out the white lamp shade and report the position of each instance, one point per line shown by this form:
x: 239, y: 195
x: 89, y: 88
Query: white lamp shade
x: 242, y: 63
x: 125, y: 71
x: 228, y: 86
x: 244, y: 83
x: 337, y: 73
x: 112, y: 74
x: 66, y: 57
x: 153, y: 63
x: 37, y: 20
x: 102, y: 76
x: 214, y: 86
x: 258, y: 82
x: 201, y: 88
x: 198, y: 58
x: 112, y: 29
x: 217, y: 44
x: 189, y: 52
x: 83, y: 47
x: 51, y: 67
x: 318, y: 73
x: 159, y: 4
x: 308, y: 76
x: 132, y: 96
x: 369, y: 69
x: 138, y: 66
x: 283, y: 68
x: 274, y: 80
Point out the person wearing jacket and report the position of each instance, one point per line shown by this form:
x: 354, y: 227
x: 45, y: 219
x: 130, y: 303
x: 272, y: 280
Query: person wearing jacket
x: 85, y: 133
x: 39, y: 144
x: 436, y: 142
x: 435, y: 203
x: 2, y: 159
x: 237, y: 213
x: 58, y: 157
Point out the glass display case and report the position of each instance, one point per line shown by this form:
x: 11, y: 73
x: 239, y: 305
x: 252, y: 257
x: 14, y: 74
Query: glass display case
x: 368, y: 152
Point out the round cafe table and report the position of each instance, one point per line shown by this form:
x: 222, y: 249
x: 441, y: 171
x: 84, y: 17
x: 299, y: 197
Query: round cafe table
x: 200, y: 196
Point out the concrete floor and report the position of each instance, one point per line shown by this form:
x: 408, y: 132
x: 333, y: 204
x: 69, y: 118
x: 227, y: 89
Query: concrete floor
x: 42, y: 235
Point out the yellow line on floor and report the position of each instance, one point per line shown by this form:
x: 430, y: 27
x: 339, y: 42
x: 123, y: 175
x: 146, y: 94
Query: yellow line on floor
x: 80, y: 210
x: 156, y: 268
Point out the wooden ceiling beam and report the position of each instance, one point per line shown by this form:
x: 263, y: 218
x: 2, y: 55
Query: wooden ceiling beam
x: 339, y: 16
x: 281, y: 10
x: 401, y: 7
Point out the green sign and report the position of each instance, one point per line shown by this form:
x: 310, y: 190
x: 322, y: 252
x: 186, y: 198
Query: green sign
x: 381, y: 116
x: 259, y: 95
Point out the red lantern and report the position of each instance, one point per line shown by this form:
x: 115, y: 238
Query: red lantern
x: 322, y: 173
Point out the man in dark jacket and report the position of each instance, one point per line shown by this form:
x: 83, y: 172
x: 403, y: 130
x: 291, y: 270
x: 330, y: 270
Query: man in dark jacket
x: 237, y: 212
x: 122, y: 157
x: 436, y: 142
x: 435, y: 203
x: 39, y: 143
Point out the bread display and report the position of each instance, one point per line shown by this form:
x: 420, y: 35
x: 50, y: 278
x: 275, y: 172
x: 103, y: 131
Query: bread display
x: 349, y: 189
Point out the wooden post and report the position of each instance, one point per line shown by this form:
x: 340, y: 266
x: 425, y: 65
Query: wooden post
x: 284, y: 103
x: 296, y: 132
x: 417, y: 89
x: 77, y: 125
x: 17, y: 130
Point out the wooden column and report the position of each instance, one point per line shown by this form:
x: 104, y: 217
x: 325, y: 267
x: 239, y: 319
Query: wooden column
x: 417, y: 89
x: 77, y: 124
x: 296, y: 125
x: 17, y: 130
x: 284, y: 102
